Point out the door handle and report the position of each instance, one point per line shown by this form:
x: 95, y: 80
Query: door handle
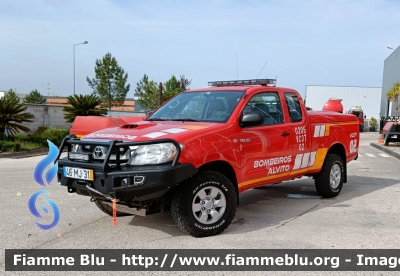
x: 285, y: 133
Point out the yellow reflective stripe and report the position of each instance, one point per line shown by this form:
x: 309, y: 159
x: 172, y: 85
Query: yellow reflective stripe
x: 249, y: 182
x: 319, y: 158
x: 195, y: 127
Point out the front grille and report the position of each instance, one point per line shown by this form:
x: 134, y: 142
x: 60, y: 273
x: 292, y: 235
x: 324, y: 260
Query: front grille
x: 95, y: 155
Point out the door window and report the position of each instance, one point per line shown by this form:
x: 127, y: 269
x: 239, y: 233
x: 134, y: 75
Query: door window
x: 269, y: 105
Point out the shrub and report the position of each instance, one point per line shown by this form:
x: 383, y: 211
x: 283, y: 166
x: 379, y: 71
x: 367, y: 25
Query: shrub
x: 373, y: 123
x: 41, y: 129
x: 18, y: 137
x: 28, y: 146
x: 10, y: 146
x: 35, y: 141
x: 55, y: 135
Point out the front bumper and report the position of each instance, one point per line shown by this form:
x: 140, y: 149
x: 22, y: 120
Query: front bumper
x: 125, y: 183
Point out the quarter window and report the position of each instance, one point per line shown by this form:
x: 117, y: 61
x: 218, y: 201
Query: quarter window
x: 294, y: 107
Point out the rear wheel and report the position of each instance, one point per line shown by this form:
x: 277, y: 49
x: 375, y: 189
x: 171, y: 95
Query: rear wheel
x: 108, y: 209
x: 205, y: 204
x: 329, y: 181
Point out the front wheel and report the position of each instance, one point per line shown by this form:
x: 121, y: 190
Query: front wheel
x: 205, y: 204
x: 329, y: 181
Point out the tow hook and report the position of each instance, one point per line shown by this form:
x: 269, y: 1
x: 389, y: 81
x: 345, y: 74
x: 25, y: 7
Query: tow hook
x: 97, y: 192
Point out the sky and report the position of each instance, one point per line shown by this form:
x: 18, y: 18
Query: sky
x: 308, y: 42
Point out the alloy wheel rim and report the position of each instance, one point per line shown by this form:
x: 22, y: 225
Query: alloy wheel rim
x: 209, y: 205
x: 335, y: 176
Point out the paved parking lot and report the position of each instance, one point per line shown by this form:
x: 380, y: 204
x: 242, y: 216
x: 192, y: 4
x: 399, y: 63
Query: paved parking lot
x: 290, y: 215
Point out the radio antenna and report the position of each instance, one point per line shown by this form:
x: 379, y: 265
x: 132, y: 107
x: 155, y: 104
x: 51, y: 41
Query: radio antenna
x: 262, y: 69
x: 237, y: 68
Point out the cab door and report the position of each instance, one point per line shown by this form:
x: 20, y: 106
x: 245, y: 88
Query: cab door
x: 265, y: 149
x: 300, y: 134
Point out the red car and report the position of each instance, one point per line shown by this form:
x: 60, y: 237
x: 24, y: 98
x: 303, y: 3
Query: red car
x: 197, y: 152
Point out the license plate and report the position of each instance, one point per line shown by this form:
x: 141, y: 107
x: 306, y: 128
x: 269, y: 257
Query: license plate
x: 78, y: 173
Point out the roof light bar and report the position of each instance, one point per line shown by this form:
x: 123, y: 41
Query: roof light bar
x: 263, y: 82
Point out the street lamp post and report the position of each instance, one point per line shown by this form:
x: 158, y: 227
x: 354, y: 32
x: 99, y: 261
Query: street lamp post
x: 85, y: 42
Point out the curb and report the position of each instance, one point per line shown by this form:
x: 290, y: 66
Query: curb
x: 387, y: 150
x: 24, y: 154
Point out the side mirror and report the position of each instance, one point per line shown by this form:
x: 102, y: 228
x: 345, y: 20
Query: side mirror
x: 252, y: 119
x: 148, y: 113
x: 365, y: 116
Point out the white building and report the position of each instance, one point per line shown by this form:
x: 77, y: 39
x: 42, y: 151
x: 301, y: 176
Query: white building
x: 369, y: 98
x: 391, y: 74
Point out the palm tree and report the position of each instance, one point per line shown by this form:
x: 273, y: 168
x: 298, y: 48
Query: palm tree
x: 11, y: 115
x: 393, y: 96
x: 82, y: 105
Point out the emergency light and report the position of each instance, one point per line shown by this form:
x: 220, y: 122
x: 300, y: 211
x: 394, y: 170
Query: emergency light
x: 263, y: 82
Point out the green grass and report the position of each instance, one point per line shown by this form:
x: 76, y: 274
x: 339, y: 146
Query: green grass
x: 28, y: 146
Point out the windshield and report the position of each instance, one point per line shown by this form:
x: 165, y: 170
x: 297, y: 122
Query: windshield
x: 205, y: 106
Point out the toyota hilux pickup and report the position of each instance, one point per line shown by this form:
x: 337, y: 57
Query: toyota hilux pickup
x: 200, y: 150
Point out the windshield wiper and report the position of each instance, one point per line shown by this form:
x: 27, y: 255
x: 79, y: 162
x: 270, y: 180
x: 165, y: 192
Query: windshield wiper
x: 155, y: 119
x: 185, y: 119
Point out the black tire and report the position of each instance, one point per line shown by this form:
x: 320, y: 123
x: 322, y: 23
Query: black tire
x: 108, y: 209
x: 187, y: 199
x: 333, y: 165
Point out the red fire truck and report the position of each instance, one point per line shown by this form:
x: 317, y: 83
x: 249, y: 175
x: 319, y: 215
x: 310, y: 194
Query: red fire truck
x: 201, y: 149
x: 357, y: 110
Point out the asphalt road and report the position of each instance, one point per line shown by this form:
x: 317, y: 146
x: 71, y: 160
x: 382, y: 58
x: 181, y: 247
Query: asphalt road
x: 290, y: 215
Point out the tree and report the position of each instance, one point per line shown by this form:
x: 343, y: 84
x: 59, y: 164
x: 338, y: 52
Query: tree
x: 35, y: 97
x: 147, y: 92
x: 174, y: 86
x: 184, y: 83
x: 11, y: 115
x: 11, y: 94
x: 110, y: 82
x: 171, y: 88
x: 393, y: 96
x: 82, y: 105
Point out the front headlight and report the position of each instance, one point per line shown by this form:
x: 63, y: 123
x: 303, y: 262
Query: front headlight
x: 74, y: 147
x: 154, y: 154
